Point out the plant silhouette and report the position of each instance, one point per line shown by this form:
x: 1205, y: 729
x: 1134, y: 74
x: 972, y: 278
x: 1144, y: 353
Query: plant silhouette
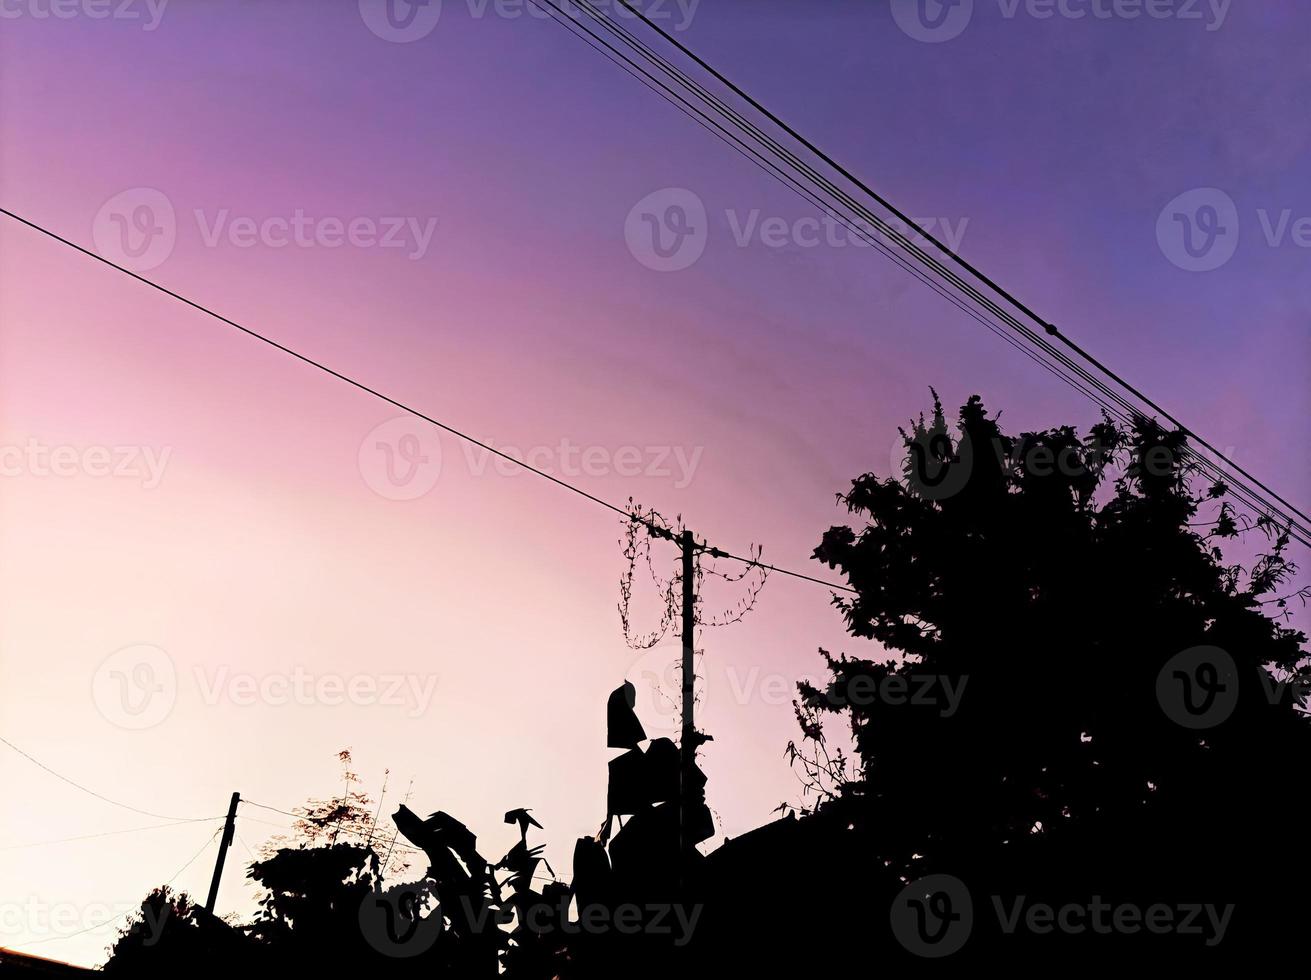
x: 1079, y: 744
x: 1084, y: 701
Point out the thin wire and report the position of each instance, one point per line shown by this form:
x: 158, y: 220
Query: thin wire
x: 769, y: 167
x: 342, y: 830
x: 720, y: 553
x: 901, y: 240
x: 336, y: 374
x: 308, y: 360
x: 107, y: 833
x: 177, y: 874
x: 99, y: 796
x: 274, y: 809
x: 972, y: 270
x: 1249, y: 498
x: 793, y: 160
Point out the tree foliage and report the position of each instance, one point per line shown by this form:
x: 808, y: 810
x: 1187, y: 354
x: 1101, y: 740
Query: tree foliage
x: 1062, y: 585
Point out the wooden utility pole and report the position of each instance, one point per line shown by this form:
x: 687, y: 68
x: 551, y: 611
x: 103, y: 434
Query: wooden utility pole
x: 229, y: 831
x: 685, y: 543
x: 687, y: 753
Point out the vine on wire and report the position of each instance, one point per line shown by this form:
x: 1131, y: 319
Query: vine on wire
x: 738, y: 611
x: 644, y: 524
x: 636, y: 542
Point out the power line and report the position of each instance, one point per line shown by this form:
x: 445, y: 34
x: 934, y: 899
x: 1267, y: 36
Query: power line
x: 310, y: 361
x: 968, y: 267
x: 626, y: 515
x: 773, y: 169
x: 1247, y: 497
x: 380, y: 838
x: 1242, y: 493
x: 107, y: 833
x: 100, y: 796
x: 172, y: 821
x: 274, y: 809
x: 721, y: 553
x: 123, y: 915
x: 769, y: 167
x: 1126, y: 413
x: 762, y: 162
x: 309, y: 819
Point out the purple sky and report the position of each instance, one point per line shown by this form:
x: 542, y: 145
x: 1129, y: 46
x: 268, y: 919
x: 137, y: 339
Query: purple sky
x: 252, y: 537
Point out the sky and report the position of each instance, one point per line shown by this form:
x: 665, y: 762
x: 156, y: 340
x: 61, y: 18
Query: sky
x: 219, y: 567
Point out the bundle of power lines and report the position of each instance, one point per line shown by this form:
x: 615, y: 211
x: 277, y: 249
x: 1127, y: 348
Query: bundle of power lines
x: 782, y: 152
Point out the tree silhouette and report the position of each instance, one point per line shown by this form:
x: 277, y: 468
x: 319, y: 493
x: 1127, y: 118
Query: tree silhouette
x: 1083, y: 698
x: 169, y: 935
x: 350, y: 817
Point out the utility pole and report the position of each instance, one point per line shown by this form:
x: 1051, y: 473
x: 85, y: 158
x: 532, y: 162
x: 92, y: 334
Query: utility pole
x: 686, y: 545
x: 690, y: 740
x: 692, y: 815
x: 229, y: 831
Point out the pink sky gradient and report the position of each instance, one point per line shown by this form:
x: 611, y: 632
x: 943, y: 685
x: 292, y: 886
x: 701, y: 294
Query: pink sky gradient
x: 527, y: 322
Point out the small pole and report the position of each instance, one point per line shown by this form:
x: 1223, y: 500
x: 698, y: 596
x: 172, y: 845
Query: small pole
x: 689, y: 742
x: 229, y: 831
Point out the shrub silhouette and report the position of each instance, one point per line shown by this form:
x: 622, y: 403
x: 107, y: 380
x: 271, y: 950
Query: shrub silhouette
x: 1084, y: 699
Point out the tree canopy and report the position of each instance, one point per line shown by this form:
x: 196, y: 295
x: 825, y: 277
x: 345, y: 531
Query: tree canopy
x: 1080, y: 695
